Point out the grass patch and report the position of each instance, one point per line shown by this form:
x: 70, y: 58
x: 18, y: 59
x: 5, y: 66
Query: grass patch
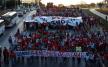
x: 104, y: 23
x: 103, y: 10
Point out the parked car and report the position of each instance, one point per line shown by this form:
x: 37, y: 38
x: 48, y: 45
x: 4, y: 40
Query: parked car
x: 20, y: 14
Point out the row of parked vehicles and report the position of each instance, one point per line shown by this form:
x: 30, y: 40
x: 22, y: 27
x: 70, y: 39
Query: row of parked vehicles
x: 23, y: 11
x: 9, y: 19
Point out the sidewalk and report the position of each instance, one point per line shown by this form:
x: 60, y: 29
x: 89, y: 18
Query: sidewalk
x: 99, y: 14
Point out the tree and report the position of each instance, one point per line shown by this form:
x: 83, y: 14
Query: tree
x: 84, y: 5
x: 18, y: 2
x: 60, y: 5
x: 100, y: 5
x: 71, y: 6
x: 92, y: 5
x: 41, y: 5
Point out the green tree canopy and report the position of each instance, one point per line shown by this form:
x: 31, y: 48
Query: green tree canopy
x: 100, y: 5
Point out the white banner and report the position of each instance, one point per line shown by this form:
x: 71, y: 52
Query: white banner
x: 45, y: 53
x: 73, y: 21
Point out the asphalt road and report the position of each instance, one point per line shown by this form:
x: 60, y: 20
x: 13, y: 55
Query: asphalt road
x: 55, y: 62
x: 8, y: 32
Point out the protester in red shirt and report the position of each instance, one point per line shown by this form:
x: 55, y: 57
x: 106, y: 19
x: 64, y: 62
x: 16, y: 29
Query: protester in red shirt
x: 6, y: 55
x: 106, y: 56
x: 45, y: 40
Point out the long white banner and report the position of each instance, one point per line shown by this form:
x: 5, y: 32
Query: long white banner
x: 45, y: 53
x: 73, y: 21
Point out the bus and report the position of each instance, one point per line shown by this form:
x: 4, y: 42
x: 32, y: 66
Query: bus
x: 10, y: 18
x: 2, y: 26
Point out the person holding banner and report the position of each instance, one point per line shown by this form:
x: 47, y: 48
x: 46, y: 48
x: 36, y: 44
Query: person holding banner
x: 12, y: 57
x: 91, y: 55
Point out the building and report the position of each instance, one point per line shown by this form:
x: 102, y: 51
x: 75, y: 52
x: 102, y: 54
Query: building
x: 106, y: 1
x: 9, y: 3
x: 3, y: 3
x: 31, y: 1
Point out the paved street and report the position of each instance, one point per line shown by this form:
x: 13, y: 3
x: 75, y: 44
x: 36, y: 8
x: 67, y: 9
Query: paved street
x: 53, y: 62
x: 54, y: 33
x: 42, y: 62
x: 4, y: 38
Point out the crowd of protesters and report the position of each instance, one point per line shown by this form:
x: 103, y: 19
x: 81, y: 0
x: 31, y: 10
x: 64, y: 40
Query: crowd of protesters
x: 59, y: 38
x: 67, y: 12
x: 6, y: 55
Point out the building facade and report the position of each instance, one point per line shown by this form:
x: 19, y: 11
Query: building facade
x: 30, y: 1
x: 9, y: 3
x: 106, y: 1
